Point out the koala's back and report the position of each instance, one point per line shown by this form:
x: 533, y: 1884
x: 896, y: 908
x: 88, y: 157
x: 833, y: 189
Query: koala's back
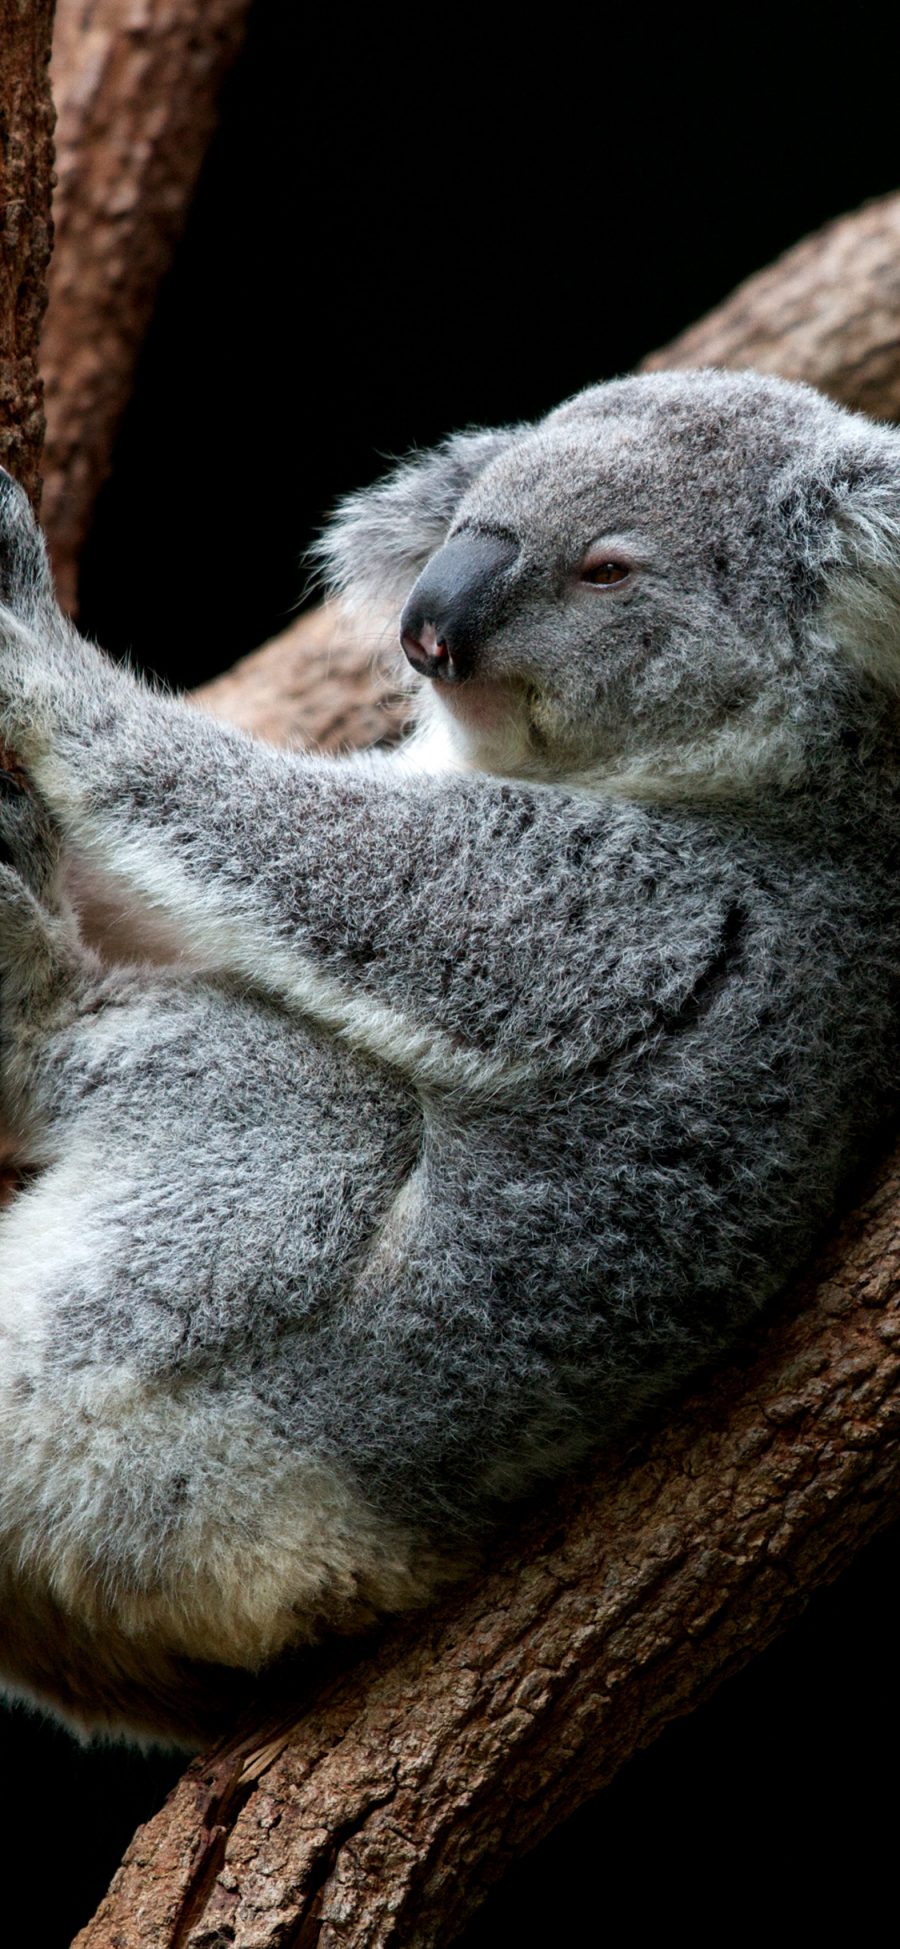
x: 564, y: 1259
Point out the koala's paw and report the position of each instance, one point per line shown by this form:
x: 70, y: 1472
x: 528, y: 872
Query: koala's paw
x: 24, y: 572
x: 23, y: 923
x: 29, y: 842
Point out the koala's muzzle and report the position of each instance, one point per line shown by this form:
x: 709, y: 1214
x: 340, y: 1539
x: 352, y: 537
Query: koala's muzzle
x: 454, y: 604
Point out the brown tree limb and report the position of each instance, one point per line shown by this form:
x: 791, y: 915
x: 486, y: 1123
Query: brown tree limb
x: 136, y: 85
x: 826, y: 312
x: 26, y: 162
x: 381, y: 1818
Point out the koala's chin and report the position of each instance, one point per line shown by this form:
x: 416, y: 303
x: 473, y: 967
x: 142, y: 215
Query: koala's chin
x: 512, y: 731
x: 484, y: 724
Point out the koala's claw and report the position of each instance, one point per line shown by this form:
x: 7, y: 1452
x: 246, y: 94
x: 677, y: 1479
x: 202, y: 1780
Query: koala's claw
x: 24, y: 572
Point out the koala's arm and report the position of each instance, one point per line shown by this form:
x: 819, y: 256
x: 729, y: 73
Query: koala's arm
x: 439, y: 922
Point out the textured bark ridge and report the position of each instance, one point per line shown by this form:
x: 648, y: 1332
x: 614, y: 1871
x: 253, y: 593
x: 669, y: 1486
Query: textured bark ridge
x: 381, y: 1818
x: 26, y: 161
x: 136, y: 85
x: 826, y: 312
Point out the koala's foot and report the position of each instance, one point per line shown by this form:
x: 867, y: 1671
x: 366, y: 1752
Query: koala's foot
x: 24, y: 573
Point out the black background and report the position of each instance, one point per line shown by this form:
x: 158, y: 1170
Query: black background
x: 403, y: 229
x: 395, y: 238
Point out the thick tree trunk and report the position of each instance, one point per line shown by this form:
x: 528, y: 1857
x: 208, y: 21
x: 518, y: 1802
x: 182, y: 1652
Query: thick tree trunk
x: 26, y: 174
x: 827, y: 312
x: 381, y: 1816
x: 26, y: 161
x: 136, y: 85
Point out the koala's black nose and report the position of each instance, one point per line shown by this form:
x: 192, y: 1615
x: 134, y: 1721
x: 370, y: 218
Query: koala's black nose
x: 454, y: 604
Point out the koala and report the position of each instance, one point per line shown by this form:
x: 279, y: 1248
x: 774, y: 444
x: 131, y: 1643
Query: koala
x: 484, y: 1090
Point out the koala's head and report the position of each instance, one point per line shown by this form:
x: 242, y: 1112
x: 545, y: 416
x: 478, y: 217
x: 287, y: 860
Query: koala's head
x: 687, y: 581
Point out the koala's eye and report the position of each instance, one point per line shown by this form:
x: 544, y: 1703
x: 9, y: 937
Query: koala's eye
x: 602, y: 575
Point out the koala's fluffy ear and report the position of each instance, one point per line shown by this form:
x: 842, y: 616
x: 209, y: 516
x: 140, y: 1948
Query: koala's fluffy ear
x: 379, y: 540
x: 847, y: 520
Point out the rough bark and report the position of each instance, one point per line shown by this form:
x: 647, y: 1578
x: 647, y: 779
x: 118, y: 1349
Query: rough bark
x: 26, y: 162
x: 136, y: 85
x: 826, y: 312
x: 26, y: 165
x: 381, y: 1818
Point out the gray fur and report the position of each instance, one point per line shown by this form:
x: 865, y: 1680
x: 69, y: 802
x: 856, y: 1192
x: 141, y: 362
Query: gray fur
x: 473, y: 1111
